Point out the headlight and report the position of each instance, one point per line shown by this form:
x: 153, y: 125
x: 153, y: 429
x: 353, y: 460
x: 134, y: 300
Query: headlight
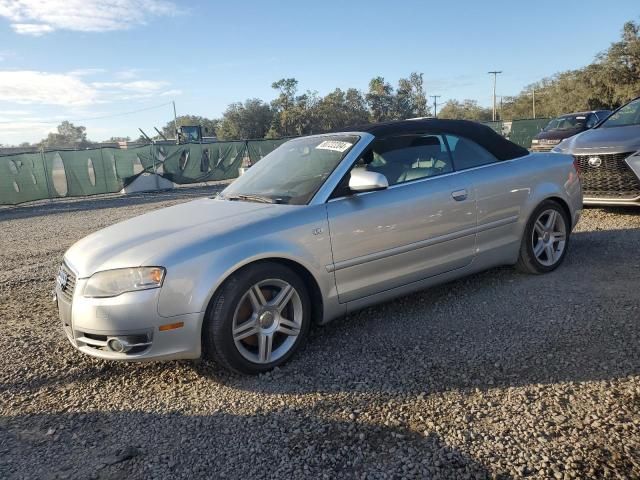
x: 111, y: 283
x: 534, y: 141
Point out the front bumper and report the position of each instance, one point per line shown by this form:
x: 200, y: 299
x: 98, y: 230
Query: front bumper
x: 89, y: 324
x: 624, y: 202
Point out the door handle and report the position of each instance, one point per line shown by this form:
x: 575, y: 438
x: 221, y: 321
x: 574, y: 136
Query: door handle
x: 459, y: 195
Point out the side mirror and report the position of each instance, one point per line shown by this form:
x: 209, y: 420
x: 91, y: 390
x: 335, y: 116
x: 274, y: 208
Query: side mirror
x: 363, y: 181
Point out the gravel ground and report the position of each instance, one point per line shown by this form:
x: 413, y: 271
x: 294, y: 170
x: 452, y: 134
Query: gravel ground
x: 500, y: 375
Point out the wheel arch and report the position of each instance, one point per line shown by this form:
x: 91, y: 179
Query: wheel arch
x: 315, y: 293
x: 565, y: 207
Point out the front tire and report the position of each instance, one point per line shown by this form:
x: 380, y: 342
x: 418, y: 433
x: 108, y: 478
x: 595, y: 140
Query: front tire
x: 257, y: 319
x: 545, y: 240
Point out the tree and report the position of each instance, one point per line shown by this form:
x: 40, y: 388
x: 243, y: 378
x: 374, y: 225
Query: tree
x: 209, y: 126
x: 465, y: 110
x: 117, y: 139
x: 610, y: 80
x: 340, y: 109
x: 380, y: 100
x: 410, y: 99
x: 67, y: 136
x: 293, y: 114
x: 242, y: 121
x: 284, y: 104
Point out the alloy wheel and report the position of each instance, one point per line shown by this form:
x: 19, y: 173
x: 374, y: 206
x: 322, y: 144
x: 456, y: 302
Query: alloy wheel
x: 267, y: 321
x: 549, y: 237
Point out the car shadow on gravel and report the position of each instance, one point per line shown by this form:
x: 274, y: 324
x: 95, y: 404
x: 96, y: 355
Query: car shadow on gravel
x: 289, y: 443
x: 495, y: 329
x: 82, y: 204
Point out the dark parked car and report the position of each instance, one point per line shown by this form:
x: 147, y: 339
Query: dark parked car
x: 566, y: 126
x: 609, y: 158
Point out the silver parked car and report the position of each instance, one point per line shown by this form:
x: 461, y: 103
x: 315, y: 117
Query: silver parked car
x: 320, y: 227
x: 609, y: 158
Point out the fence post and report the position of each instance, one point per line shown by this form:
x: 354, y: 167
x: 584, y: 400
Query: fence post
x: 104, y: 172
x: 46, y: 174
x: 152, y: 153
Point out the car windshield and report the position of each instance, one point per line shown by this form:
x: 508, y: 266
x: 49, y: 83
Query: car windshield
x: 293, y: 172
x: 627, y: 115
x: 568, y: 122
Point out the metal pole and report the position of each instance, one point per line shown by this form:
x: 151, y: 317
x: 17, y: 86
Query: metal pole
x: 534, y: 103
x: 494, y: 97
x: 435, y: 104
x: 495, y: 75
x: 175, y: 120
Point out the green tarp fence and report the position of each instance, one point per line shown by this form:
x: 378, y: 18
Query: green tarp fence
x: 523, y: 131
x: 519, y: 131
x: 70, y: 173
x: 496, y: 126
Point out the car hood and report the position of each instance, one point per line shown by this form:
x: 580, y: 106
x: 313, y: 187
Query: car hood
x: 136, y: 241
x: 603, y: 140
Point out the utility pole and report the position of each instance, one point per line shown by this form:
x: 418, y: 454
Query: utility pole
x: 495, y: 74
x: 534, y: 103
x: 435, y: 104
x: 175, y: 121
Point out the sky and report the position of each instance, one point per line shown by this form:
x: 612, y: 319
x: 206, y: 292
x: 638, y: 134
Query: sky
x: 116, y: 65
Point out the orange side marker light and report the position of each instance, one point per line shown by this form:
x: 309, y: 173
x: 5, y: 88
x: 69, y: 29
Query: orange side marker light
x: 170, y: 326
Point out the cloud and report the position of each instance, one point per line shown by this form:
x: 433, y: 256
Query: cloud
x: 28, y: 87
x: 38, y: 17
x: 171, y: 93
x: 128, y: 74
x: 71, y: 90
x: 86, y: 72
x: 4, y: 54
x: 139, y: 86
x: 20, y: 131
x: 17, y: 113
x: 35, y: 29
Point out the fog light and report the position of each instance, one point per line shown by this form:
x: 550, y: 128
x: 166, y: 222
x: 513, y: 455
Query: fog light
x: 115, y: 345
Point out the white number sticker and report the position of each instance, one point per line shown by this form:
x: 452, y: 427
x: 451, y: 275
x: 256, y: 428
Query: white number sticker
x: 335, y: 145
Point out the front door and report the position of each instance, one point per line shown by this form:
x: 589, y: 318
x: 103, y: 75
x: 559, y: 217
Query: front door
x: 422, y: 225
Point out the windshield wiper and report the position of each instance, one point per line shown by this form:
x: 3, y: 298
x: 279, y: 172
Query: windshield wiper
x: 248, y: 197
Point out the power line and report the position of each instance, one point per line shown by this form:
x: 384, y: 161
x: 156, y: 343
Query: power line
x: 121, y: 114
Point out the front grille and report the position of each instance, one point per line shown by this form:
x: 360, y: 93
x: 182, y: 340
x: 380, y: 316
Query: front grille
x: 611, y: 179
x: 66, y: 290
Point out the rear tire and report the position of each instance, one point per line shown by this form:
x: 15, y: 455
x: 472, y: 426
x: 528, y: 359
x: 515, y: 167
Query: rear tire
x: 545, y: 240
x: 257, y: 319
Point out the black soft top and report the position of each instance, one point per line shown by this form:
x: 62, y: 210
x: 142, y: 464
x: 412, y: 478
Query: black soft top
x: 483, y: 135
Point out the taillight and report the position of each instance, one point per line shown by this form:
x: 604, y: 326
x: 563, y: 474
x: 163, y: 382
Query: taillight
x: 576, y: 165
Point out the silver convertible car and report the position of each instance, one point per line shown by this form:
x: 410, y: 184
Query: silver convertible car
x: 322, y: 226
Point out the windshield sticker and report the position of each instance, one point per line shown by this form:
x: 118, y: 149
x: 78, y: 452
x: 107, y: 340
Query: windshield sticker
x: 335, y: 145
